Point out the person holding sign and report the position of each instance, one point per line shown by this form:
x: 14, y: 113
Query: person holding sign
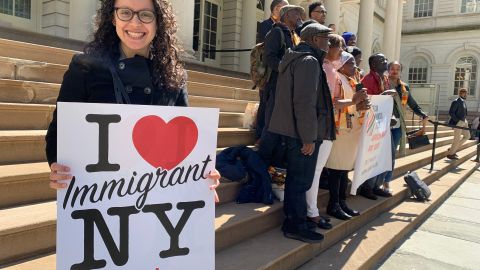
x: 134, y: 58
x: 303, y: 116
x: 377, y: 83
x: 348, y: 120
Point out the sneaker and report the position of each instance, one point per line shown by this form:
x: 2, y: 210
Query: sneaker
x: 382, y: 193
x: 306, y: 236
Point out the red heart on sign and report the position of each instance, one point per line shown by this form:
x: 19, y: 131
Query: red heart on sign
x: 164, y: 145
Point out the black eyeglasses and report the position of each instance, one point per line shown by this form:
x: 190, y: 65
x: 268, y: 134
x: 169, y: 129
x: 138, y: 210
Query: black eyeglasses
x: 321, y: 11
x: 126, y: 14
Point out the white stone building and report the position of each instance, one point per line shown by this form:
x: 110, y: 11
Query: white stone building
x: 441, y: 46
x: 213, y: 24
x: 439, y: 41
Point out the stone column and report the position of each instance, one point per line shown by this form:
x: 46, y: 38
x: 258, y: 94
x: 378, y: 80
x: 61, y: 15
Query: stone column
x: 268, y: 13
x: 333, y: 12
x: 248, y: 33
x: 55, y: 17
x: 365, y: 30
x: 184, y: 13
x: 81, y: 19
x: 390, y: 30
x: 398, y: 42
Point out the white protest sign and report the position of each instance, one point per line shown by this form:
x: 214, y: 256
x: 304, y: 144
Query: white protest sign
x: 140, y: 196
x: 374, y: 152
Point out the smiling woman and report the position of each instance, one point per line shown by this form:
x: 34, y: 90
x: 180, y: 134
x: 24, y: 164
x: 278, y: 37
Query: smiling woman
x: 133, y: 59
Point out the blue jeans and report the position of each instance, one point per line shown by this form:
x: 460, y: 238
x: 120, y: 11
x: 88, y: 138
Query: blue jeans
x: 396, y: 136
x: 300, y: 172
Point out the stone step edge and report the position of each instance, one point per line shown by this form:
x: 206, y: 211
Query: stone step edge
x: 56, y: 87
x: 388, y: 236
x: 367, y: 210
x: 285, y: 261
x: 19, y: 62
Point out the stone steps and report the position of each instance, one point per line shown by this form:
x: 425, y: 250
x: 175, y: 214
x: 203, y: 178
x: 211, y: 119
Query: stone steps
x: 19, y: 91
x: 257, y: 225
x: 39, y: 116
x: 46, y: 71
x: 28, y: 182
x: 367, y: 247
x: 22, y: 146
x: 271, y: 250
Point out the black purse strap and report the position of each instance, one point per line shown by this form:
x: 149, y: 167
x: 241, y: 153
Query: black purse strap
x: 121, y: 95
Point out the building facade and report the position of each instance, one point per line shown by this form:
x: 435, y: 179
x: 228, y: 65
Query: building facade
x: 437, y: 41
x: 209, y: 25
x: 441, y: 46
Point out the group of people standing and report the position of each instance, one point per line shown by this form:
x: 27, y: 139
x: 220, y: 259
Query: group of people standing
x: 312, y: 109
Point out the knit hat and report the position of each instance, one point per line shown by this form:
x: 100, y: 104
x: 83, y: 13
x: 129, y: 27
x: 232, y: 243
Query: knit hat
x: 344, y: 58
x: 347, y: 36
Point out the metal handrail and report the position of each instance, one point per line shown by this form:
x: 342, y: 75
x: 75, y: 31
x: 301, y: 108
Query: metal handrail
x: 435, y: 128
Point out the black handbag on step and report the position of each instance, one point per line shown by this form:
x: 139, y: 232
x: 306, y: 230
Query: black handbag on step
x: 416, y: 138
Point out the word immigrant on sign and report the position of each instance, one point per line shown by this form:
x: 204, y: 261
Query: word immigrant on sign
x: 139, y: 196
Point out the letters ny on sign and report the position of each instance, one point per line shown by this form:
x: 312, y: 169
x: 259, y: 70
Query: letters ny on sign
x: 139, y: 196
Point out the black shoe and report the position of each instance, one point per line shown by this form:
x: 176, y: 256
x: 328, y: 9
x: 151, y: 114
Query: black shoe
x: 336, y: 211
x: 382, y: 193
x: 452, y: 157
x: 448, y: 150
x: 327, y: 219
x: 322, y: 224
x: 367, y: 193
x: 348, y: 210
x: 305, y: 236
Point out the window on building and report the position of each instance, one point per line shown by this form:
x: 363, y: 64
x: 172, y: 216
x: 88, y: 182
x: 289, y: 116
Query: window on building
x: 205, y: 32
x: 210, y: 23
x: 17, y: 8
x: 423, y: 8
x: 466, y: 75
x: 418, y: 71
x: 470, y: 6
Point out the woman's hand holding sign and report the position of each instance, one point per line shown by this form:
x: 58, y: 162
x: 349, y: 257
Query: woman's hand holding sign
x: 215, y: 176
x: 58, y: 173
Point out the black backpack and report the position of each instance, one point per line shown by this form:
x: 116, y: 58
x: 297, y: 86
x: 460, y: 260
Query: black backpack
x: 417, y: 188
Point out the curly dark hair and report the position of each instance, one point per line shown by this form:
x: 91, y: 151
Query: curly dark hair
x: 168, y: 69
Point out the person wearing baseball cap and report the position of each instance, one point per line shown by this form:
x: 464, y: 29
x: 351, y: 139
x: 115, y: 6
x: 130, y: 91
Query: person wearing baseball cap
x: 302, y: 92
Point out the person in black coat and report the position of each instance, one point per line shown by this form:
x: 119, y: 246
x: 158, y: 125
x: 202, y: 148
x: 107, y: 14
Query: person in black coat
x: 267, y: 24
x: 134, y: 39
x: 458, y: 117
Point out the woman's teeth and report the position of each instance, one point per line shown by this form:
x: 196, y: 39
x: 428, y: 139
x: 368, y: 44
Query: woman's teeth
x: 135, y: 35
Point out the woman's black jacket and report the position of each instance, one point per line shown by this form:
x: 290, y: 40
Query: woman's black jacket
x: 89, y: 80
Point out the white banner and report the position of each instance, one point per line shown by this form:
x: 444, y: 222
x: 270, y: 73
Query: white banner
x: 374, y: 152
x: 140, y: 197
